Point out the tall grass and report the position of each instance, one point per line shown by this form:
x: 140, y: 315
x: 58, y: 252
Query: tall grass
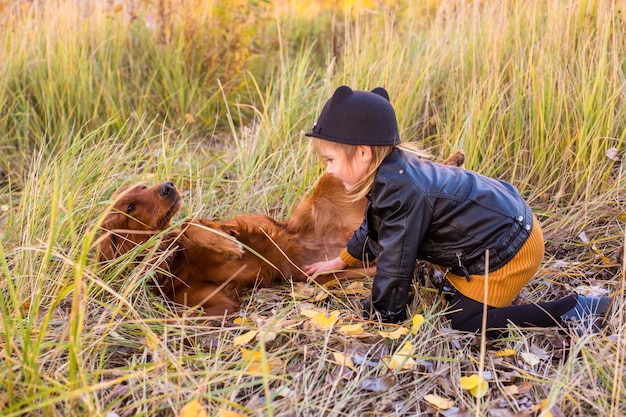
x: 215, y: 96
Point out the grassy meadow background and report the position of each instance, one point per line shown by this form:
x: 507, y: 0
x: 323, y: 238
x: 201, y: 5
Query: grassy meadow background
x: 215, y: 95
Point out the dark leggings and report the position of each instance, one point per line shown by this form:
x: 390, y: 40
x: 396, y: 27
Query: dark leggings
x: 466, y: 314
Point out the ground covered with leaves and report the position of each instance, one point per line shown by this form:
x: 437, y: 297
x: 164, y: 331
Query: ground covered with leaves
x: 302, y: 350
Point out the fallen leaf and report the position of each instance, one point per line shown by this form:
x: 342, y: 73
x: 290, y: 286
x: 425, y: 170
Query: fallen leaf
x: 530, y: 358
x: 520, y: 389
x: 303, y: 290
x: 613, y: 154
x: 321, y: 296
x: 352, y: 329
x: 255, y: 364
x: 506, y: 352
x: 418, y: 319
x: 600, y: 255
x: 355, y: 286
x: 560, y: 264
x: 192, y: 409
x: 583, y: 237
x: 377, y: 385
x: 553, y: 411
x: 309, y: 313
x: 343, y: 360
x: 245, y: 338
x: 456, y: 412
x: 439, y: 402
x: 591, y: 290
x: 401, y: 359
x: 285, y: 392
x: 396, y: 334
x: 510, y: 390
x: 324, y: 322
x: 230, y: 413
x: 243, y: 321
x: 541, y: 353
x: 475, y: 384
x: 267, y: 336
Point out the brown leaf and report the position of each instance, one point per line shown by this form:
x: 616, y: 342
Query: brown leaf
x: 378, y: 384
x: 455, y: 412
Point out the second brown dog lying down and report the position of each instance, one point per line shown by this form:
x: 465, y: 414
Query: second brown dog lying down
x: 212, y: 264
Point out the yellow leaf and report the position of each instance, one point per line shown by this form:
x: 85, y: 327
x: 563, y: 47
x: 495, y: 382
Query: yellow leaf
x: 475, y: 384
x: 480, y: 390
x: 469, y: 382
x: 541, y: 407
x: 352, y: 329
x: 243, y: 321
x: 245, y: 338
x: 401, y: 359
x: 603, y: 258
x: 439, y: 402
x: 418, y: 319
x: 323, y: 322
x: 229, y: 413
x: 505, y: 352
x: 343, y: 360
x: 396, y: 334
x: 192, y: 409
x: 254, y: 362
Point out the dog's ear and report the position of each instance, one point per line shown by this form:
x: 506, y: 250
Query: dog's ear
x: 106, y: 248
x: 457, y: 159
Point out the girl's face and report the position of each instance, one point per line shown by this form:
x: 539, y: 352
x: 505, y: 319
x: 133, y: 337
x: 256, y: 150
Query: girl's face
x: 349, y: 167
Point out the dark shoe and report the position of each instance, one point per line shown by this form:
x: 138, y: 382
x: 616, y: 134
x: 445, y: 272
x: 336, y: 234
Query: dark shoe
x: 587, y: 315
x: 371, y: 313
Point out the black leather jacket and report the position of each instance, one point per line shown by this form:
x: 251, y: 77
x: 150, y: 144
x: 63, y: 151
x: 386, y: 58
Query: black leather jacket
x: 445, y: 215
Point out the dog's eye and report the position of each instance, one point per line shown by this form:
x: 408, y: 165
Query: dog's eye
x: 130, y: 207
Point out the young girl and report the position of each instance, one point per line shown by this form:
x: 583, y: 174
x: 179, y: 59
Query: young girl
x: 445, y: 215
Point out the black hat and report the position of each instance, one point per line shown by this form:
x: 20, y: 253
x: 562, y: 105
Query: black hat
x: 358, y: 117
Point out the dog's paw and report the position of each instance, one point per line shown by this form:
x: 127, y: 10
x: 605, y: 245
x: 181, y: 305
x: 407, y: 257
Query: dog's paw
x: 212, y: 237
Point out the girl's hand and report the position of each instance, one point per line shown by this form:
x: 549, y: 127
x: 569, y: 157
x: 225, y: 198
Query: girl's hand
x: 324, y: 267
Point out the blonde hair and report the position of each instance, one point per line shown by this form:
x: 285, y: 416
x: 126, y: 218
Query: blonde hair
x: 379, y: 153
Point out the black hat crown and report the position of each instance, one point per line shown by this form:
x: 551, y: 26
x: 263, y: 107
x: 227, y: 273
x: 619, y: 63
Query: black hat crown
x: 357, y: 117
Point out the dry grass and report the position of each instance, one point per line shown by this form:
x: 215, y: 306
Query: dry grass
x: 96, y: 98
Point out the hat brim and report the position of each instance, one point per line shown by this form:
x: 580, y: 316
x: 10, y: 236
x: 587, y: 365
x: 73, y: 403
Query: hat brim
x: 347, y: 141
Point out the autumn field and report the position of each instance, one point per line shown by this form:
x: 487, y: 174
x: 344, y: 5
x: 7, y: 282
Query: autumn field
x: 215, y: 96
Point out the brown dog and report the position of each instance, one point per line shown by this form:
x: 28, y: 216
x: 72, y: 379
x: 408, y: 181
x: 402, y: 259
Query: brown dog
x: 212, y: 264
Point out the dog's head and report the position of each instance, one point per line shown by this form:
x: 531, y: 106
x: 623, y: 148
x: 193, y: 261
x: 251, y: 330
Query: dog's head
x: 137, y: 213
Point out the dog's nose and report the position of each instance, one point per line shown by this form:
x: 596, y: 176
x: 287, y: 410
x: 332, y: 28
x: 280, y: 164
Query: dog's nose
x: 167, y: 189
